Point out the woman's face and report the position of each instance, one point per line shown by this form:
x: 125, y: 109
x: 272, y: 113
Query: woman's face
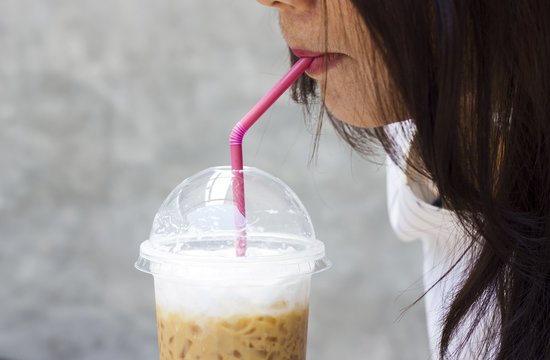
x: 345, y: 85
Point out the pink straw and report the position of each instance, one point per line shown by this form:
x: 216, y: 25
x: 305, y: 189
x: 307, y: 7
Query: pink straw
x: 236, y: 140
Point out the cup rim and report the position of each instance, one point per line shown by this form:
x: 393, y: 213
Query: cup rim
x: 308, y: 259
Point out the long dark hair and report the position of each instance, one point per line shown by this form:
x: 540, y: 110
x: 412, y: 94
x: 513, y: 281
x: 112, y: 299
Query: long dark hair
x: 474, y: 77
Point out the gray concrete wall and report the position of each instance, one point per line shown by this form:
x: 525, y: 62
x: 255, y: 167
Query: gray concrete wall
x: 105, y: 106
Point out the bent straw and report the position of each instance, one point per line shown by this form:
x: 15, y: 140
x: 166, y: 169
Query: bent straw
x: 236, y: 140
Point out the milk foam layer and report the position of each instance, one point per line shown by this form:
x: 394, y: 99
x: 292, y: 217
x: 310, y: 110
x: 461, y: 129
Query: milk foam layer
x: 218, y: 299
x: 216, y: 283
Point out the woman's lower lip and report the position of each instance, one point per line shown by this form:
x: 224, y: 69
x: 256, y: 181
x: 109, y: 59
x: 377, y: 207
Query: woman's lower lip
x: 323, y: 63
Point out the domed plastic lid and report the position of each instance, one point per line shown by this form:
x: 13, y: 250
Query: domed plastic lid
x: 194, y: 231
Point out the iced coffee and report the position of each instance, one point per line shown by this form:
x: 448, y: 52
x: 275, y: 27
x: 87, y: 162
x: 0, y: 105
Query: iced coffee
x: 212, y: 304
x: 279, y: 335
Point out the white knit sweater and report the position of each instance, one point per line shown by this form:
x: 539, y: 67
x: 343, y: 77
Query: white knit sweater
x: 413, y: 217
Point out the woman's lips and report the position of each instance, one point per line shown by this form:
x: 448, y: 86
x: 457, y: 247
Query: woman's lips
x: 321, y: 61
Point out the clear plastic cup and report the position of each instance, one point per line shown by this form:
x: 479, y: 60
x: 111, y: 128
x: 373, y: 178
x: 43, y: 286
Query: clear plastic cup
x: 214, y: 305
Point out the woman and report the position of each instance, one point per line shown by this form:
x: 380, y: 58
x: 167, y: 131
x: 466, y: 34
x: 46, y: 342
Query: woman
x: 473, y: 78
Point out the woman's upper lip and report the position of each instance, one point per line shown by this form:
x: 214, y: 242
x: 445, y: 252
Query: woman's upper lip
x: 306, y: 53
x: 322, y: 61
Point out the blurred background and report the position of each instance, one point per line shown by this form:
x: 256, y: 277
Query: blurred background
x: 107, y: 106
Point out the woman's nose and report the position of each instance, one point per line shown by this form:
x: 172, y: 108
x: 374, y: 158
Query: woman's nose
x: 300, y: 5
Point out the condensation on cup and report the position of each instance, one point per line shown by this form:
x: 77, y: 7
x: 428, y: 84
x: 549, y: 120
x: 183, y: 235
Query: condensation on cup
x: 213, y: 305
